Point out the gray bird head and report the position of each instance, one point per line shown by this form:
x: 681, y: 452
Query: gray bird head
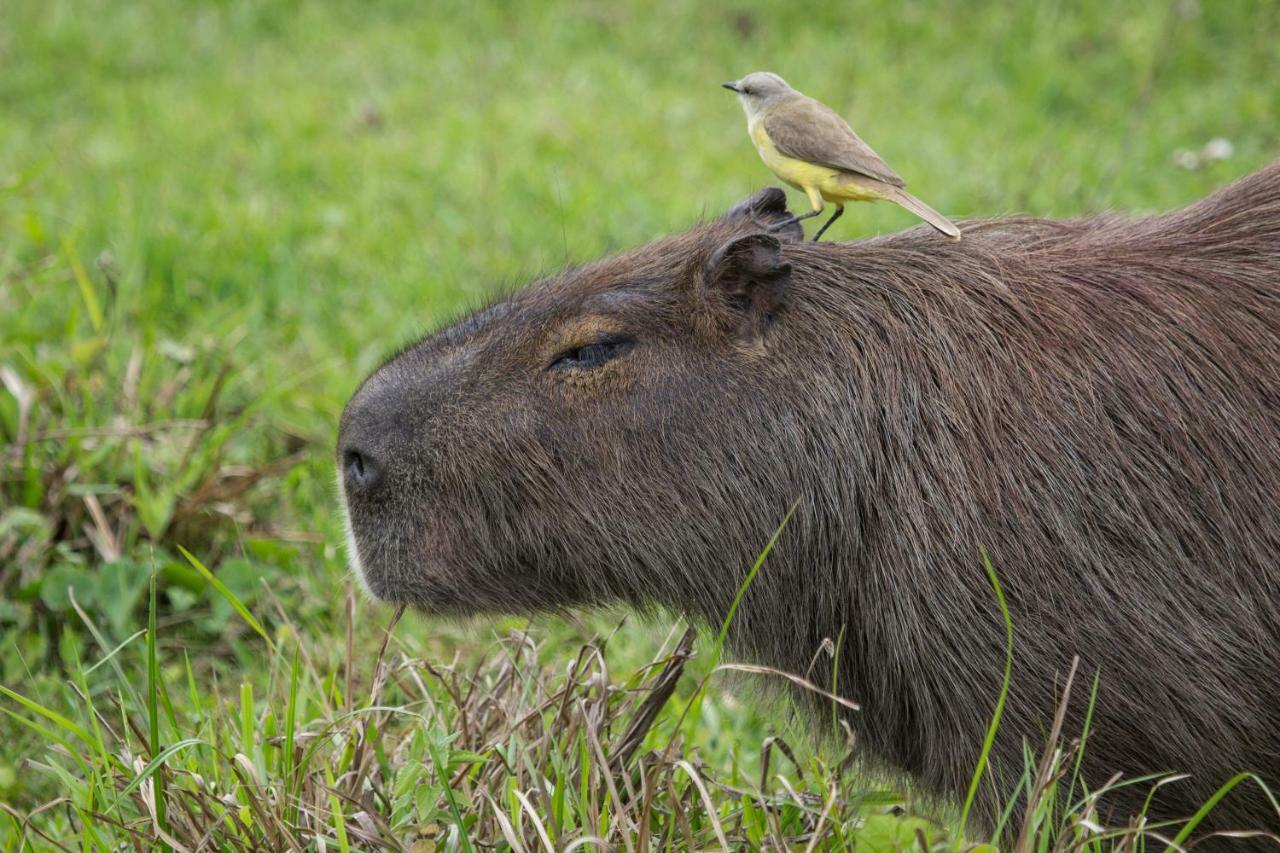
x: 757, y: 89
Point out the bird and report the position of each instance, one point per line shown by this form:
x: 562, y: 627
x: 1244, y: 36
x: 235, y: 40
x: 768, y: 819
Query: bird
x: 808, y: 145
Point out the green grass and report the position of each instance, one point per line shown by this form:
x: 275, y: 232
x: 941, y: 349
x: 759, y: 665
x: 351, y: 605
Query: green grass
x: 216, y: 218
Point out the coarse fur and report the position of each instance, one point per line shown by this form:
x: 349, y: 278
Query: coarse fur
x: 1096, y: 403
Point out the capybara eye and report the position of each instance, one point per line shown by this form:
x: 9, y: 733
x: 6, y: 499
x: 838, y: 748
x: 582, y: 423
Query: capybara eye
x: 591, y: 355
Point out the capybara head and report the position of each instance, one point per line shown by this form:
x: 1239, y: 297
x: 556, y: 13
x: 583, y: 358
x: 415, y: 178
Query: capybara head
x: 1094, y: 405
x: 606, y: 434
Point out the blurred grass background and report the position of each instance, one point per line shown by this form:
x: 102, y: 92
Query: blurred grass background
x: 215, y: 218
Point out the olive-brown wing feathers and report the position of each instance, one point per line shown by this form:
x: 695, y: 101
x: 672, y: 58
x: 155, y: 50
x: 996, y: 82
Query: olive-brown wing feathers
x: 808, y: 130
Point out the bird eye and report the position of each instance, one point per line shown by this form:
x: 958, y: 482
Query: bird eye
x: 746, y: 90
x: 591, y: 355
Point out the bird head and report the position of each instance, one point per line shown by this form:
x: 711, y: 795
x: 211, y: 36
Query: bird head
x: 757, y: 89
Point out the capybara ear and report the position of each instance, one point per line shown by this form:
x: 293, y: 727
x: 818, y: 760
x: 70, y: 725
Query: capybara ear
x: 748, y: 276
x: 767, y: 208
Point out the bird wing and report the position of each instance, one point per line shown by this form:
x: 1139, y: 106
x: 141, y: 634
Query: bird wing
x: 808, y: 130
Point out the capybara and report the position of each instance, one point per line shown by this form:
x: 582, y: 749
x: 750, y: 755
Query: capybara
x: 1094, y: 404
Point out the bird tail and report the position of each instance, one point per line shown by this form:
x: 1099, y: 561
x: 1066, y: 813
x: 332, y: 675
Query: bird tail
x: 925, y: 212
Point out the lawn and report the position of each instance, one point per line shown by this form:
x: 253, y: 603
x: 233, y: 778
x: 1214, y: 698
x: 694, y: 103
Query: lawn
x: 216, y: 218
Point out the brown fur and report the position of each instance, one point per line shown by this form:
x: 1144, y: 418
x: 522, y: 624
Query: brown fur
x: 1096, y: 403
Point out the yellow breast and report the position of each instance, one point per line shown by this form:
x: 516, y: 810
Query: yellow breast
x: 833, y: 184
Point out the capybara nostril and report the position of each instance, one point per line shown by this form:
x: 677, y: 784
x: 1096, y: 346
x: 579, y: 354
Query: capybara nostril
x: 361, y: 473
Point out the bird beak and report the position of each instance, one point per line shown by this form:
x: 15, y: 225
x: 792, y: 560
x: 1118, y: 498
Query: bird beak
x: 732, y: 87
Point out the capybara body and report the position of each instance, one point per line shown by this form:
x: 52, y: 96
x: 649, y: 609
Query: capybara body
x: 1094, y: 404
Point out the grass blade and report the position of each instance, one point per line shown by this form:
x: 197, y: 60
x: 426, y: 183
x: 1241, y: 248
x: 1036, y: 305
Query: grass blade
x: 751, y: 575
x: 52, y: 716
x: 440, y: 759
x: 339, y: 817
x: 230, y: 596
x: 1213, y: 801
x: 990, y: 739
x: 286, y: 757
x: 153, y: 709
x: 49, y: 735
x: 87, y: 292
x: 693, y: 711
x: 151, y: 768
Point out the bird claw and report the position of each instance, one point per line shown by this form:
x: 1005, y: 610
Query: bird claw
x: 776, y: 226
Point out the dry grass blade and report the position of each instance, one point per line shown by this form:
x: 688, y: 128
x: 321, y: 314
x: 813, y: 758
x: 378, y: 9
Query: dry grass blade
x: 802, y: 683
x: 359, y: 761
x: 100, y: 534
x: 766, y: 756
x: 659, y: 693
x: 707, y: 803
x: 622, y: 814
x: 25, y: 397
x: 508, y: 831
x: 27, y: 821
x: 230, y: 483
x: 537, y: 822
x: 822, y: 819
x: 1045, y: 769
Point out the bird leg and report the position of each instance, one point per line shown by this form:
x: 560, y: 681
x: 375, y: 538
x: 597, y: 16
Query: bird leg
x: 827, y: 224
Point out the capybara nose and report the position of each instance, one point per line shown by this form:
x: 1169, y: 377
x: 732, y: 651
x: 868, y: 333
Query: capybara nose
x: 361, y: 472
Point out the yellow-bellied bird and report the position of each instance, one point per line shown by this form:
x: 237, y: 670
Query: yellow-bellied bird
x: 807, y: 145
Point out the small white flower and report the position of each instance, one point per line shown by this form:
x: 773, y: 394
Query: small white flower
x: 1217, y: 149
